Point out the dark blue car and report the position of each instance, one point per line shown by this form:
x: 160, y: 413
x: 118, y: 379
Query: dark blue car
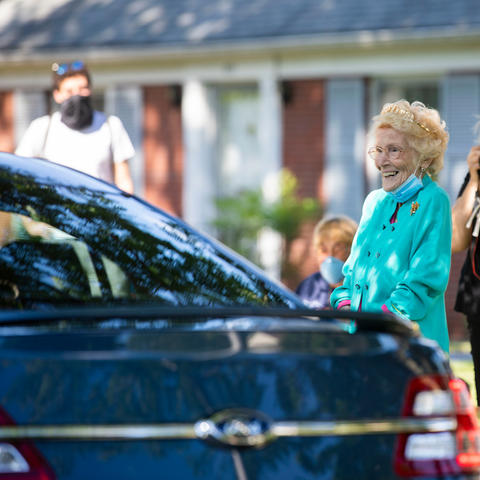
x: 133, y: 347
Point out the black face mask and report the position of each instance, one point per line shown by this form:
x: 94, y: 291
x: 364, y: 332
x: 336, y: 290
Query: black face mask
x: 77, y: 112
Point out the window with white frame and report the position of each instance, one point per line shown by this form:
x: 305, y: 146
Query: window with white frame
x: 239, y: 165
x: 425, y: 90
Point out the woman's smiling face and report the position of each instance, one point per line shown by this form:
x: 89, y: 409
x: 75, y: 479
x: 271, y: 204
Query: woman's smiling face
x: 395, y: 160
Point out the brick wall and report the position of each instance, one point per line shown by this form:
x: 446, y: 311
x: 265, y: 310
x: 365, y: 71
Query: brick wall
x: 303, y: 154
x: 162, y: 144
x: 6, y: 122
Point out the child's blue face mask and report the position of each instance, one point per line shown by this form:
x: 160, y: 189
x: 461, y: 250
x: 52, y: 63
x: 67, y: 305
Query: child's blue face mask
x: 331, y: 270
x: 407, y: 189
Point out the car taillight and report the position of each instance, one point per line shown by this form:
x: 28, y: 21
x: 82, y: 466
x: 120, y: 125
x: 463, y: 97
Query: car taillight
x: 439, y: 453
x: 20, y: 460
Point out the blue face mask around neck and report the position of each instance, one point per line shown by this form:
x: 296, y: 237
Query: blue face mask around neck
x: 407, y: 189
x: 331, y: 270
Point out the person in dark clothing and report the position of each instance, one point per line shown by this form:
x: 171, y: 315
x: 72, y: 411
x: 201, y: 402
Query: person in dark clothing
x: 465, y: 233
x: 332, y: 239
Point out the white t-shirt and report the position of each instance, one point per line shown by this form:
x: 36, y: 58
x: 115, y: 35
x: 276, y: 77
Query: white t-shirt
x: 92, y: 150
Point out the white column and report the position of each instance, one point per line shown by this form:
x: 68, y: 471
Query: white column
x: 344, y: 174
x: 126, y: 102
x: 270, y: 131
x: 199, y: 136
x: 270, y: 142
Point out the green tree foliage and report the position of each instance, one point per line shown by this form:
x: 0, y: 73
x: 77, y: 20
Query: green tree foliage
x: 242, y: 216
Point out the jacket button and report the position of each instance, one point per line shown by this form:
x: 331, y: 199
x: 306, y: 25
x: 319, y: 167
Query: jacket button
x: 357, y: 286
x: 384, y: 227
x: 393, y: 228
x: 366, y: 287
x: 368, y: 253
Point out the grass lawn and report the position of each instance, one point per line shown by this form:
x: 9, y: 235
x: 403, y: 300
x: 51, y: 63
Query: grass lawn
x: 462, y: 365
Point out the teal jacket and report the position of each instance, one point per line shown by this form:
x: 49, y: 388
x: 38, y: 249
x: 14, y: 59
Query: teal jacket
x: 402, y: 266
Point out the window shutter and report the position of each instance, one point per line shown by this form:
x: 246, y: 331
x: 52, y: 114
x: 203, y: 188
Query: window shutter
x: 27, y: 107
x: 126, y: 103
x: 461, y: 106
x: 344, y: 177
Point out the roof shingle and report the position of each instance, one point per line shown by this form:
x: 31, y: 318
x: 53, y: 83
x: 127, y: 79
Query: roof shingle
x: 32, y: 25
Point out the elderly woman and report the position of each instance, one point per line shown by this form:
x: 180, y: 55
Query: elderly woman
x: 400, y: 257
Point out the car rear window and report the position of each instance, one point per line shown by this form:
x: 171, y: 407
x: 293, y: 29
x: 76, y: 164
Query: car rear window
x: 119, y: 260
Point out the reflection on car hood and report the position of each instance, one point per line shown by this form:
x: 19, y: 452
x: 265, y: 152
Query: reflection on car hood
x: 74, y: 239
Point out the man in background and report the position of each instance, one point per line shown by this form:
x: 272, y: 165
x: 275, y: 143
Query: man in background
x: 77, y: 135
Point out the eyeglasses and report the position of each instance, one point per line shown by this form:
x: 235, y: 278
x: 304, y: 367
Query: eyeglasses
x: 63, y: 68
x: 391, y: 151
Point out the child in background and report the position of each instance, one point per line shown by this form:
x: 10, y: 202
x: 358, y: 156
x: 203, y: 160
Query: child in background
x: 332, y: 240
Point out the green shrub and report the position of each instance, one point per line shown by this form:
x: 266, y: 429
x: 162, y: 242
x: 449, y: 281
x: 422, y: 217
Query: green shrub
x: 242, y: 216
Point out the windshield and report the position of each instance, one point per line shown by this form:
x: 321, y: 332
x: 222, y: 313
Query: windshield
x: 64, y: 244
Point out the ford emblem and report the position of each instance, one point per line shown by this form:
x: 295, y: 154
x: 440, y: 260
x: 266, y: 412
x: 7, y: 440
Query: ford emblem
x: 236, y: 428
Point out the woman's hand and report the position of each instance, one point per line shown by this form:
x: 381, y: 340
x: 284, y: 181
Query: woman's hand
x: 462, y: 208
x: 473, y: 162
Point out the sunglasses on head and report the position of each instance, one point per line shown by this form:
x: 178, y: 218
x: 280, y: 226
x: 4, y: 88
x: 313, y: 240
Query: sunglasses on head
x: 63, y: 68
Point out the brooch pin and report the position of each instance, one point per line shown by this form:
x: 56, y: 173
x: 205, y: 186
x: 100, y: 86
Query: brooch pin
x: 414, y: 208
